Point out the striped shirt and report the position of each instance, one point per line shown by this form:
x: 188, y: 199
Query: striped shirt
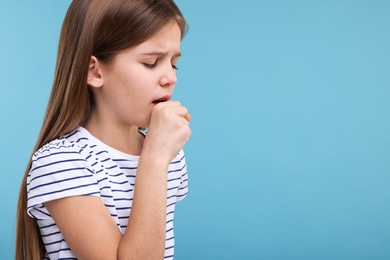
x: 78, y: 164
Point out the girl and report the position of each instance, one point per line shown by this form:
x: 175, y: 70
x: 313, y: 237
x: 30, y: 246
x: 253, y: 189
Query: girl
x: 97, y: 187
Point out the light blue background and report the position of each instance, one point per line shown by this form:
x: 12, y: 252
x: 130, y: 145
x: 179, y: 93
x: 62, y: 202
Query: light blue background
x: 289, y: 157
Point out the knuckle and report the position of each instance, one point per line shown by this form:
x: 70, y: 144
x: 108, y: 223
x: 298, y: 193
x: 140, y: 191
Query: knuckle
x: 165, y: 111
x: 174, y: 103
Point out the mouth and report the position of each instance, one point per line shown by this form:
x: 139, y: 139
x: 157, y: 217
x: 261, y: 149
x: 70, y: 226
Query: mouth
x: 161, y: 99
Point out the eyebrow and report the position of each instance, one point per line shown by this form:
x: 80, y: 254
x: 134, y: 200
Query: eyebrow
x: 160, y: 53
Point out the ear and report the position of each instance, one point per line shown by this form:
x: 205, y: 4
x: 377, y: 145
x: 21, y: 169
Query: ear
x: 95, y: 77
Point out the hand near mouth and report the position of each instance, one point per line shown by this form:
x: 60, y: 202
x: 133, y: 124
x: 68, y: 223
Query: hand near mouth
x: 162, y: 99
x: 169, y: 130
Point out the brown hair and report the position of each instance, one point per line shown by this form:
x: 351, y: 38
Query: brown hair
x: 91, y: 27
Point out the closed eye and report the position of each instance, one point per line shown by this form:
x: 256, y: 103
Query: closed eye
x: 150, y: 65
x: 153, y: 65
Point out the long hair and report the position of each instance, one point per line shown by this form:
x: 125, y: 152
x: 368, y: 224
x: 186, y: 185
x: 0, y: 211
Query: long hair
x: 91, y: 27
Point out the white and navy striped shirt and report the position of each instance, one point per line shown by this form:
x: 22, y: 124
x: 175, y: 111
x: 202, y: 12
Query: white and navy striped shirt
x: 78, y: 164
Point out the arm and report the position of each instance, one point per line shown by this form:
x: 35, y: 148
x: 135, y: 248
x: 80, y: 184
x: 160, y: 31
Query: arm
x: 146, y: 229
x: 91, y: 232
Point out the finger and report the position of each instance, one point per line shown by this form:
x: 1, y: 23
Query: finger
x: 178, y: 110
x: 184, y: 120
x: 188, y: 117
x: 170, y: 103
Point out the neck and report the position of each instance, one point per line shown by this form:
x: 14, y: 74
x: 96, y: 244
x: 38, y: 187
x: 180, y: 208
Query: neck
x: 124, y: 138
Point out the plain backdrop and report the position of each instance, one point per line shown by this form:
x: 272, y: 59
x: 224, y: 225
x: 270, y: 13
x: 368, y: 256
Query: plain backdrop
x: 290, y: 153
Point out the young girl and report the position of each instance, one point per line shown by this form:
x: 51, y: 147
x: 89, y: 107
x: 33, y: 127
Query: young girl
x: 98, y: 187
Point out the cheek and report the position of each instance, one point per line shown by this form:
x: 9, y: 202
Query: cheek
x: 134, y: 83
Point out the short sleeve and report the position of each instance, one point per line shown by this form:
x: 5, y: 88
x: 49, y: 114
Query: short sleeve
x: 183, y: 187
x: 58, y: 171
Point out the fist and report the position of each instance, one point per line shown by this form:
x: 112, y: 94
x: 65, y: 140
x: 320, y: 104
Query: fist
x: 169, y: 130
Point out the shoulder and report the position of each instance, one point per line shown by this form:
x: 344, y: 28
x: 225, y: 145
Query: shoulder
x: 64, y: 154
x: 69, y: 145
x: 59, y: 169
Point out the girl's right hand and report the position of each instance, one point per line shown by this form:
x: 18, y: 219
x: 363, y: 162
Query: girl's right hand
x: 168, y: 132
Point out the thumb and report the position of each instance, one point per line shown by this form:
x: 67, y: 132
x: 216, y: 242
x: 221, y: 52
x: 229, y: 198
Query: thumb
x: 188, y: 117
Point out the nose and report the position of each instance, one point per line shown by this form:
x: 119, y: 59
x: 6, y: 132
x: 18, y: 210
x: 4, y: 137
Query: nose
x: 168, y: 77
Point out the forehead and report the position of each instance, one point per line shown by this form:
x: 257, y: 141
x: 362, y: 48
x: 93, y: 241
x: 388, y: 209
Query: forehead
x: 167, y: 39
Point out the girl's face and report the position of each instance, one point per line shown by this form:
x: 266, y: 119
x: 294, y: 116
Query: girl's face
x: 137, y: 78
